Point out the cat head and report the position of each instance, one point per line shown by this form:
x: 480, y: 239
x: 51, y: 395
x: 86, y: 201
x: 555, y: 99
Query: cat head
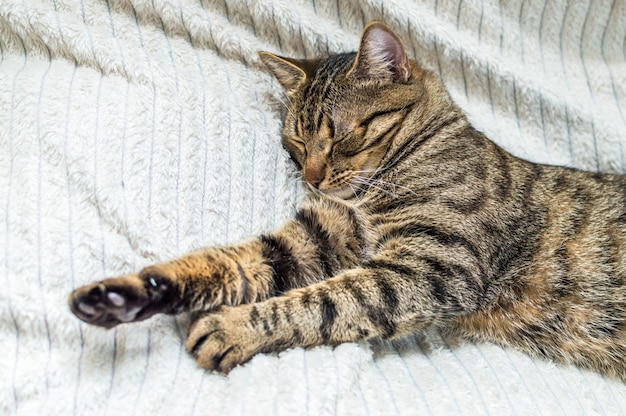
x: 345, y: 110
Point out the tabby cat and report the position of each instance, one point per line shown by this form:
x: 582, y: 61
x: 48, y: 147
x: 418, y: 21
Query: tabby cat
x: 414, y: 219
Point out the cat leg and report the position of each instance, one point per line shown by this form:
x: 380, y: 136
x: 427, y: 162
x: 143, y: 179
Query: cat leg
x: 199, y: 280
x: 388, y: 299
x: 323, y: 239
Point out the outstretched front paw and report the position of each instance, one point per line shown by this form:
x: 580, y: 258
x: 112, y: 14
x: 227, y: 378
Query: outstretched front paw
x: 221, y: 340
x: 124, y: 299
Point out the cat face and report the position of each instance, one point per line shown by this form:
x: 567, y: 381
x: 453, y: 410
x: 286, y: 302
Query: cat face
x: 344, y: 111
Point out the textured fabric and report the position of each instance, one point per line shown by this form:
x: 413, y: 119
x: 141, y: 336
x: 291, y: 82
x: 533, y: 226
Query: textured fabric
x: 132, y: 131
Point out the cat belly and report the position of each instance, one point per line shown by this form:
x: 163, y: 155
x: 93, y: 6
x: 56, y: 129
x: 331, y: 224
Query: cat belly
x: 567, y: 330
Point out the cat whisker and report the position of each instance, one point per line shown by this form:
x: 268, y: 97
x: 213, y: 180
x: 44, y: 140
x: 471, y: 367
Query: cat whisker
x: 395, y: 185
x: 377, y: 169
x: 356, y: 190
x: 287, y: 105
x: 360, y: 180
x: 373, y: 171
x: 380, y: 182
x: 281, y: 98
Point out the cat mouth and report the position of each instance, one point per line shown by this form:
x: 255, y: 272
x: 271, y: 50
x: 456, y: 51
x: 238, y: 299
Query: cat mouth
x: 346, y: 187
x: 343, y: 192
x: 348, y: 190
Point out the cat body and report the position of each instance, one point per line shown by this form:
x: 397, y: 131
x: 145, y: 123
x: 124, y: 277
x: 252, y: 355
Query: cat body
x: 414, y: 219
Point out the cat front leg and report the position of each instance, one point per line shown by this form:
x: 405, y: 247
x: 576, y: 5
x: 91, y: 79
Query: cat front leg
x: 200, y: 280
x: 386, y: 298
x: 324, y: 238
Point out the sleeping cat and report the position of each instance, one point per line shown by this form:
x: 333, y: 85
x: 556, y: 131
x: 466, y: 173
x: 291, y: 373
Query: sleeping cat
x: 414, y: 219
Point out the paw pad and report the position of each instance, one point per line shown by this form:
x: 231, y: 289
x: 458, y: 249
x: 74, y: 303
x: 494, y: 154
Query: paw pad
x: 116, y: 299
x: 109, y: 302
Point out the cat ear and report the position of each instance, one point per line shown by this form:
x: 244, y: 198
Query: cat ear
x: 290, y: 73
x: 381, y: 56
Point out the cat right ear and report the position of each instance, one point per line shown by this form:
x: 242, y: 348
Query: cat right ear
x: 381, y: 56
x: 290, y: 73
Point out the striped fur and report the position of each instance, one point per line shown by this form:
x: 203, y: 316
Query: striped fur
x: 414, y: 219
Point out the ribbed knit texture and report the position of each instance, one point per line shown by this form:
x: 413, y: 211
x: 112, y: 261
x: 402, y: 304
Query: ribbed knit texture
x: 132, y: 131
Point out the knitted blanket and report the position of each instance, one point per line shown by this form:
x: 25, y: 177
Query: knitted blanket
x: 132, y: 131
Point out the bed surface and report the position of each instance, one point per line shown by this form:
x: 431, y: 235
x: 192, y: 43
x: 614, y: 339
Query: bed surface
x: 132, y: 131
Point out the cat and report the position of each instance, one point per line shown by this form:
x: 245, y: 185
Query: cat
x: 413, y: 219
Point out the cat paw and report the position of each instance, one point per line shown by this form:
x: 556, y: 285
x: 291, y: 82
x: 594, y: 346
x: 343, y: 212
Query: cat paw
x: 219, y: 341
x: 122, y: 299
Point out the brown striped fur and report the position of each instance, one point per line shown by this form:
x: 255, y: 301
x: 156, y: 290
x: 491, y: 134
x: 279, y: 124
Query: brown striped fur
x: 414, y: 219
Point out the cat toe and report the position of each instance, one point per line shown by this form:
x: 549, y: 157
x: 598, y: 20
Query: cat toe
x: 214, y: 352
x: 219, y: 341
x: 90, y: 304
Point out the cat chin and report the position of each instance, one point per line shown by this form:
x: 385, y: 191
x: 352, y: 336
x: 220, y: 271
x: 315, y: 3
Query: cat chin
x: 342, y: 193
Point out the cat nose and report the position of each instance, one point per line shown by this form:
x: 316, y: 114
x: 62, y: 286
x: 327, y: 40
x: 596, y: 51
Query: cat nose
x: 314, y: 182
x: 314, y: 174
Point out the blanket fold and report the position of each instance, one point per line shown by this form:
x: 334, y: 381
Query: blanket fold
x: 132, y: 131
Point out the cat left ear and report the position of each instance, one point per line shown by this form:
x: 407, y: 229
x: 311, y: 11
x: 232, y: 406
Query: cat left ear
x: 381, y: 56
x: 290, y: 73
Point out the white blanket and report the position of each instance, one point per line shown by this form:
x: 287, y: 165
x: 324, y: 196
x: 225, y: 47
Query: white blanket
x: 132, y: 131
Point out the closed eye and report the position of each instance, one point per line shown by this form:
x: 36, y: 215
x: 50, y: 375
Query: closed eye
x: 366, y: 122
x: 296, y: 141
x: 373, y: 129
